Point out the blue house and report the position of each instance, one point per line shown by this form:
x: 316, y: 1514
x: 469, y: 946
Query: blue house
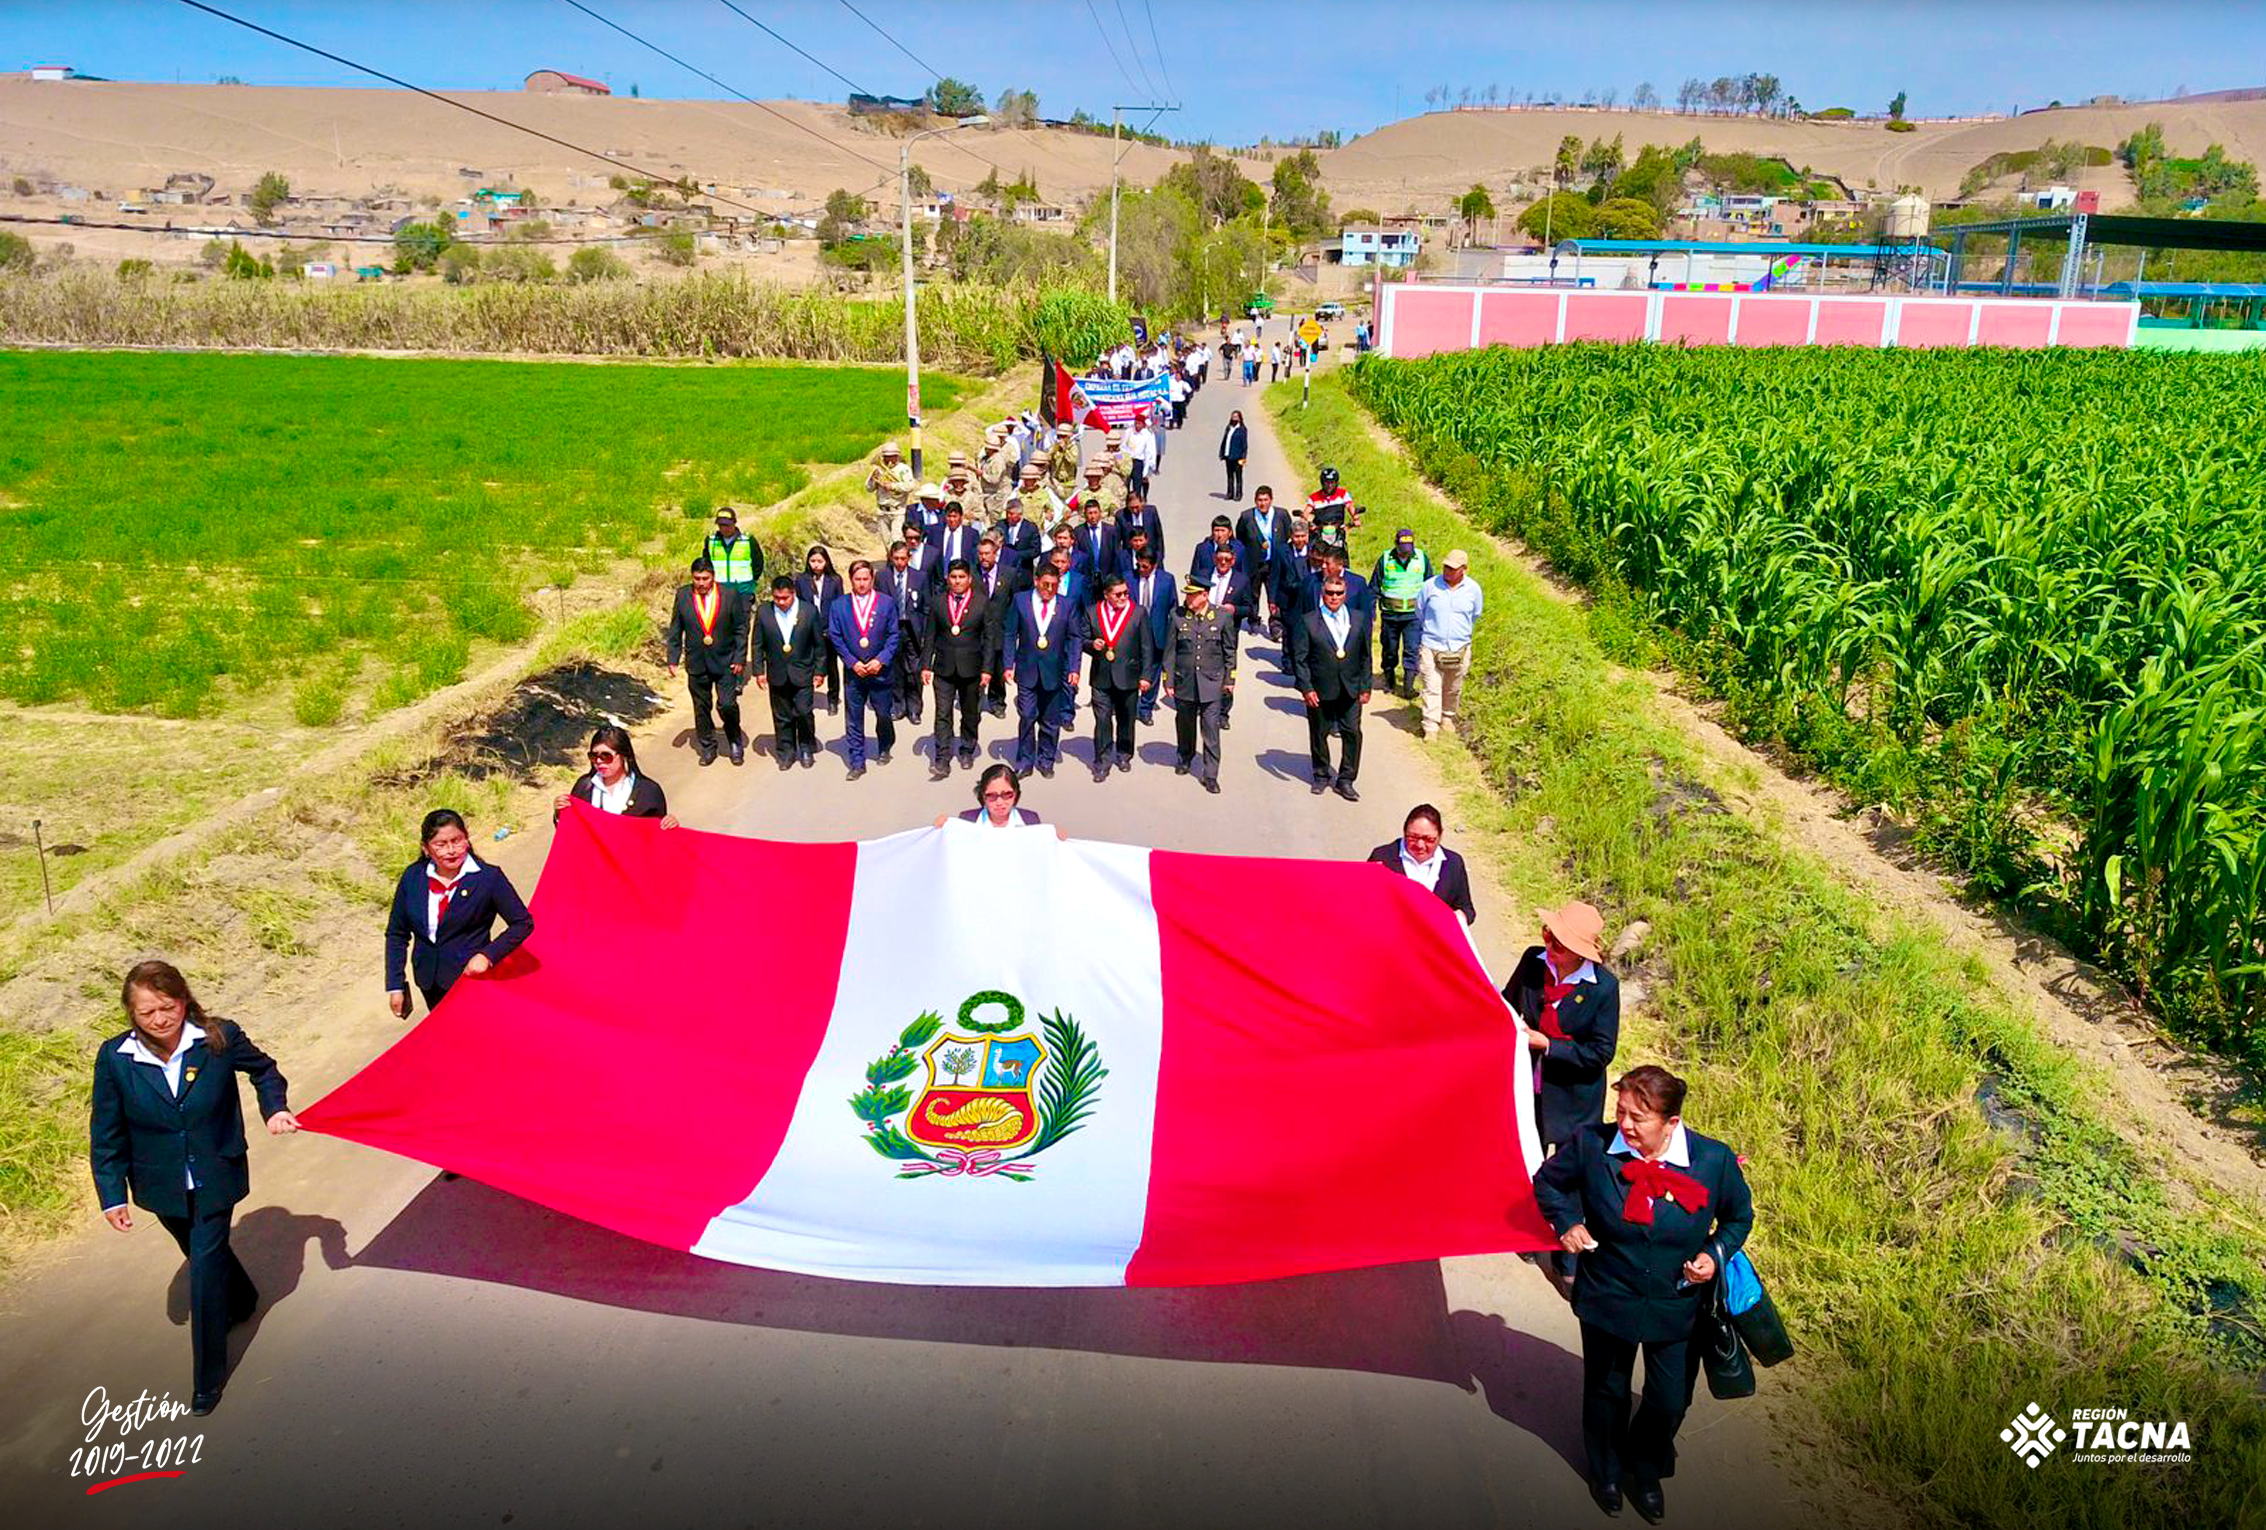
x: 1367, y: 245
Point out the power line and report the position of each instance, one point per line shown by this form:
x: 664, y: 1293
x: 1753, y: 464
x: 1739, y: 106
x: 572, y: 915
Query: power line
x: 720, y: 85
x: 1113, y: 58
x: 782, y: 42
x: 927, y: 68
x: 1170, y: 89
x: 518, y: 127
x: 1134, y: 48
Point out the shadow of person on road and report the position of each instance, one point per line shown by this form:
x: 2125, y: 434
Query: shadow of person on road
x: 1286, y: 765
x: 272, y: 1243
x: 1390, y: 1320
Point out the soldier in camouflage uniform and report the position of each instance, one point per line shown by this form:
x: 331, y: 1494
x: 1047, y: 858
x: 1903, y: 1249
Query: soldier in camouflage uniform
x: 1062, y: 461
x: 960, y: 484
x: 892, y: 483
x: 1041, y: 505
x: 1099, y: 489
x: 995, y: 472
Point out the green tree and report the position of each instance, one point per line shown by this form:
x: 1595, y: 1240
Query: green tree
x: 1016, y: 108
x: 241, y: 265
x: 1559, y: 216
x: 128, y: 269
x: 595, y: 263
x: 519, y: 263
x: 1300, y: 204
x: 1603, y: 160
x: 917, y: 181
x: 460, y: 265
x: 1896, y: 107
x: 959, y: 1061
x: 1215, y: 184
x: 1474, y: 205
x: 1625, y: 218
x: 1358, y: 215
x: 23, y: 188
x: 1157, y: 232
x: 16, y: 253
x: 677, y: 247
x: 1568, y: 162
x: 271, y: 192
x: 955, y: 98
x: 418, y: 246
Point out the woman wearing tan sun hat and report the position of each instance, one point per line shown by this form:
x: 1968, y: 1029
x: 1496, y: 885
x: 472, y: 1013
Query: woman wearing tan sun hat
x: 1571, y: 1006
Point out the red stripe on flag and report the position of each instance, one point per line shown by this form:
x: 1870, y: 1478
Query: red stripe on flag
x: 1331, y: 1102
x: 637, y: 1061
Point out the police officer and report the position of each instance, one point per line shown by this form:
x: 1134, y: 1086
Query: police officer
x: 738, y: 560
x: 1198, y: 669
x: 1399, y: 574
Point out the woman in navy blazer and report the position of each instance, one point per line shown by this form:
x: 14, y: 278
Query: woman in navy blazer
x: 999, y: 795
x: 1419, y: 845
x: 167, y: 1128
x: 1570, y: 1004
x: 444, y: 912
x: 821, y: 586
x: 1654, y: 1211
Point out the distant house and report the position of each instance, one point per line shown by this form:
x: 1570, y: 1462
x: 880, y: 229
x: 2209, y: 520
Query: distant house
x: 51, y: 71
x: 866, y: 106
x: 184, y: 188
x: 1041, y: 213
x: 320, y: 271
x: 1369, y: 245
x: 553, y: 82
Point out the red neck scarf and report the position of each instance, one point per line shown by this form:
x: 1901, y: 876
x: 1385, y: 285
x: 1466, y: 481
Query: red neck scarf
x: 1552, y: 993
x: 1650, y: 1181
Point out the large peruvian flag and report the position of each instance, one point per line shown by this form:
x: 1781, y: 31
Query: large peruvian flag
x: 975, y: 1056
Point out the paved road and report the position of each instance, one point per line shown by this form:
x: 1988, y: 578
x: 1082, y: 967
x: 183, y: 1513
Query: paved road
x: 437, y: 1353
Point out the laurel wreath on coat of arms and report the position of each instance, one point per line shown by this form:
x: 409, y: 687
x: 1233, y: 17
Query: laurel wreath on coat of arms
x: 1061, y: 1098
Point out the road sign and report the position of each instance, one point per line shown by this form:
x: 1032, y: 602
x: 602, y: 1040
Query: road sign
x: 1310, y: 332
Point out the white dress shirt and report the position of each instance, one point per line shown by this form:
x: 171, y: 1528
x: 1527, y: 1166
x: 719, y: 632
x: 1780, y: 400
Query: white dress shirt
x: 610, y: 799
x: 433, y: 899
x: 1340, y: 625
x: 786, y: 620
x: 132, y: 1047
x: 1679, y: 1152
x: 1426, y: 871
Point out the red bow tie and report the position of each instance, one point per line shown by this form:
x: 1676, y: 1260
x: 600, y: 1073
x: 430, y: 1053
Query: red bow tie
x: 1553, y: 994
x: 1649, y: 1182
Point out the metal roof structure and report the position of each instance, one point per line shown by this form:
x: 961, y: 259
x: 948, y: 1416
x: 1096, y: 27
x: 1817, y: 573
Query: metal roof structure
x: 2081, y: 229
x: 1717, y: 247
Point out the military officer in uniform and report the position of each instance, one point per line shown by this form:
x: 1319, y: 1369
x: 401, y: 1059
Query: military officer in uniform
x: 995, y: 471
x: 892, y: 484
x: 959, y: 480
x: 1062, y: 460
x: 1098, y: 493
x: 1198, y: 669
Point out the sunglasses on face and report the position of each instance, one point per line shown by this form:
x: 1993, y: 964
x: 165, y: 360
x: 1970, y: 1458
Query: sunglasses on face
x: 1000, y: 796
x: 603, y: 755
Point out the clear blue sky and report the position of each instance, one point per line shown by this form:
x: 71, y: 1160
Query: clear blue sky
x: 1279, y: 67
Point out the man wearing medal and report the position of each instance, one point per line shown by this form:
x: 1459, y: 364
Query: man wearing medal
x: 956, y: 663
x: 1039, y: 642
x: 1329, y: 660
x: 708, y: 631
x: 1116, y: 636
x: 863, y: 628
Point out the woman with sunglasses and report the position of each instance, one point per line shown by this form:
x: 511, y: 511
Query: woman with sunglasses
x: 614, y: 784
x: 821, y: 586
x: 999, y: 794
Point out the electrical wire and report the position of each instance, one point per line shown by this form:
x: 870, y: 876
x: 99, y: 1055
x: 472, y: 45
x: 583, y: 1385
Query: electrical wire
x: 720, y: 85
x: 929, y: 69
x: 1170, y: 88
x: 782, y: 42
x: 659, y: 177
x: 1134, y: 48
x: 1113, y: 58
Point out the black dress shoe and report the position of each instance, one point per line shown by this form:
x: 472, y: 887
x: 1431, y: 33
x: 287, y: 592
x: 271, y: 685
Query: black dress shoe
x: 1047, y: 771
x: 855, y: 772
x: 967, y: 762
x: 1211, y: 786
x: 1646, y: 1499
x: 707, y: 757
x: 1321, y: 785
x: 1345, y: 790
x: 1607, y: 1496
x: 881, y: 758
x: 1101, y: 773
x: 739, y: 752
x: 1180, y: 768
x: 203, y: 1403
x: 786, y: 761
x: 809, y: 758
x: 1125, y: 763
x: 940, y: 772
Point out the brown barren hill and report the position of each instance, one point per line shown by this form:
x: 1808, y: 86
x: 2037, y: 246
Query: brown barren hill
x: 1421, y: 160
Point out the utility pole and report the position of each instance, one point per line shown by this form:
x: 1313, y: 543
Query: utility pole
x: 912, y: 325
x: 1116, y: 158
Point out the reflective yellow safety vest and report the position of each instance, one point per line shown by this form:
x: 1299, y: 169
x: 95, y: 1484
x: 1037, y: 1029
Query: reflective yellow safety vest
x: 738, y: 561
x: 1397, y: 583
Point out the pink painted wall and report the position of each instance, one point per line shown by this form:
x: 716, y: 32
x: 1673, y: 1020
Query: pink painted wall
x: 1426, y: 318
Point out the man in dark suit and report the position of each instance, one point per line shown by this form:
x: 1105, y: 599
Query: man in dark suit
x: 1260, y: 530
x: 1199, y: 677
x: 1094, y: 545
x: 1139, y: 515
x: 1358, y: 595
x: 908, y: 591
x: 1040, y: 643
x: 995, y: 577
x: 1130, y: 551
x: 1330, y: 663
x: 864, y: 630
x: 956, y: 543
x: 1019, y: 536
x: 1200, y: 559
x: 1653, y: 1211
x: 1294, y: 563
x: 790, y: 652
x: 708, y: 634
x: 1116, y: 635
x: 1071, y: 581
x: 167, y: 1130
x: 961, y: 641
x: 1153, y: 591
x: 921, y: 555
x: 1419, y: 856
x: 1230, y: 595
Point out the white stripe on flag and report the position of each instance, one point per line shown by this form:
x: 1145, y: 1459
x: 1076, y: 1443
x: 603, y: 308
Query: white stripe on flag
x: 1076, y: 932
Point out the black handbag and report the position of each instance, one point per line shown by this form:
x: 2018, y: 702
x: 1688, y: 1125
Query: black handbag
x: 1746, y: 1302
x: 1723, y: 1353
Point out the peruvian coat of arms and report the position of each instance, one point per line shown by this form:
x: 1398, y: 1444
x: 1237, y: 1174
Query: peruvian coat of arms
x: 992, y: 1094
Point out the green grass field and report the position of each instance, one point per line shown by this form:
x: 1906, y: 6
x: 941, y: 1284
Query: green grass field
x: 186, y: 533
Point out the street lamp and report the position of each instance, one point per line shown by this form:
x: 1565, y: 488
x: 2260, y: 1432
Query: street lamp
x: 912, y: 326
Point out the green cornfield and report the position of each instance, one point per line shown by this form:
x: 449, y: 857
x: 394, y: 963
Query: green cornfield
x: 2020, y: 596
x: 962, y: 328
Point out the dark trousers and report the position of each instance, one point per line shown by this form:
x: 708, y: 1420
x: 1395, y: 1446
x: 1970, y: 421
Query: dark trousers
x: 1137, y: 478
x: 998, y: 691
x: 1040, y: 712
x: 1646, y: 1445
x: 1146, y: 707
x: 791, y: 726
x: 220, y: 1293
x: 1235, y: 478
x: 858, y: 690
x: 1397, y: 646
x: 832, y: 669
x: 1341, y: 717
x: 722, y: 692
x: 969, y: 694
x: 1113, y: 723
x: 1203, y: 715
x: 908, y: 677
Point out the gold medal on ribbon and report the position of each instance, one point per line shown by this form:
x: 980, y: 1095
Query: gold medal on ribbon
x: 708, y: 642
x: 1042, y: 643
x: 864, y: 643
x: 1111, y: 654
x: 1341, y: 653
x: 955, y: 629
